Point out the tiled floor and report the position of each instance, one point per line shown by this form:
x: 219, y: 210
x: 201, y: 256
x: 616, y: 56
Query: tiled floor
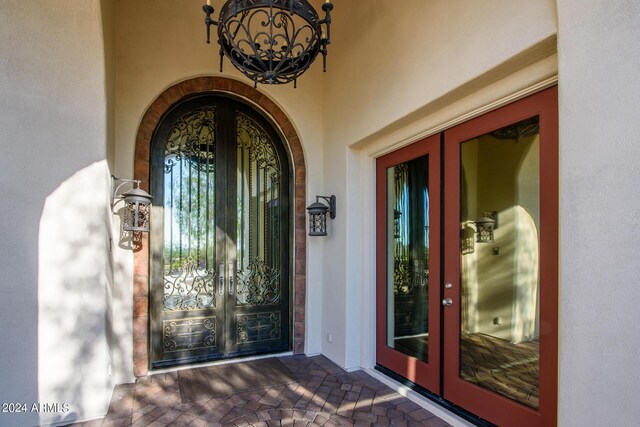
x: 324, y: 395
x: 503, y: 367
x: 509, y: 369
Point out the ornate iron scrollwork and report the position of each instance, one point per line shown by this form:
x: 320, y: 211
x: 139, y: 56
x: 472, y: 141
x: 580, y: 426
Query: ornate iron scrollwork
x: 189, y: 334
x: 258, y: 327
x: 258, y: 281
x: 192, y: 137
x: 271, y: 41
x: 516, y: 132
x: 258, y: 284
x: 188, y: 286
x: 402, y: 283
x: 261, y: 150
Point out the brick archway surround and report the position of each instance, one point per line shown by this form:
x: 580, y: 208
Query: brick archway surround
x: 149, y: 122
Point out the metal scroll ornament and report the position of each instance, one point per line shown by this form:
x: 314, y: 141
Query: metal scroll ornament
x: 271, y: 41
x: 258, y: 284
x: 252, y: 138
x: 189, y: 334
x: 520, y: 130
x: 258, y: 327
x: 189, y: 287
x: 192, y: 137
x: 402, y: 277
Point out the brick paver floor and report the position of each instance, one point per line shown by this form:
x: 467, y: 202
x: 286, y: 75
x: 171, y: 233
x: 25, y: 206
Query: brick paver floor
x: 325, y: 395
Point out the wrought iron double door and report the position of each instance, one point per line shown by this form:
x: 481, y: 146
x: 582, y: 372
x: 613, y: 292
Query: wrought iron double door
x: 219, y: 282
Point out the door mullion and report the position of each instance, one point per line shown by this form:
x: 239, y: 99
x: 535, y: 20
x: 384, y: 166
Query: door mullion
x: 227, y: 215
x: 220, y: 222
x: 232, y: 225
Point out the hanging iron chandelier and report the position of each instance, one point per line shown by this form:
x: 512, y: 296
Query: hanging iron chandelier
x: 271, y: 41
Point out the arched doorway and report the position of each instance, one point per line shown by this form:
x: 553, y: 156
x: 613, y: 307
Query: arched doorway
x: 219, y: 282
x: 268, y: 115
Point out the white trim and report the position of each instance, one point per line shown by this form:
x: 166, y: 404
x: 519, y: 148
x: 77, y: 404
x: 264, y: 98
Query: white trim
x: 468, y: 116
x: 427, y: 404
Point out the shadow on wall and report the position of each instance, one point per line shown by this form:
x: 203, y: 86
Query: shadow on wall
x: 74, y: 294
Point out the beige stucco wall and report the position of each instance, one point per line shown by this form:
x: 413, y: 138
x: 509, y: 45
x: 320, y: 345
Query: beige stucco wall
x: 159, y: 44
x: 391, y: 82
x: 385, y: 87
x: 55, y: 225
x: 599, y: 105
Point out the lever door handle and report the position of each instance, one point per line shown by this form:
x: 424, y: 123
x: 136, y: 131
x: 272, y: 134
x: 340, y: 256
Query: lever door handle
x: 231, y: 276
x: 221, y: 280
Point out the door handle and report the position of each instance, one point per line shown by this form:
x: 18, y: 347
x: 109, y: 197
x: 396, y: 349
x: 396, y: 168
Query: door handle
x: 221, y: 280
x: 231, y: 275
x: 447, y: 302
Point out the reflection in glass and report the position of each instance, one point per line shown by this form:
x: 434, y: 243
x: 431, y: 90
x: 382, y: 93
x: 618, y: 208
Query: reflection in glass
x: 189, y: 237
x: 258, y: 228
x: 408, y: 257
x: 499, y: 347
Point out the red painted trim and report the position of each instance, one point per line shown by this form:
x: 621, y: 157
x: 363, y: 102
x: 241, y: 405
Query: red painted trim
x: 480, y: 401
x: 417, y: 371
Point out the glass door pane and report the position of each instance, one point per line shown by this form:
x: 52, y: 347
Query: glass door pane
x: 408, y: 257
x: 500, y: 306
x: 187, y: 304
x: 258, y: 307
x: 258, y: 214
x: 499, y: 261
x: 408, y: 262
x: 189, y: 192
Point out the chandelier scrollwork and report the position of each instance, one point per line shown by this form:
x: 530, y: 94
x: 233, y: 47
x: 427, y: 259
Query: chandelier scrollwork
x: 271, y: 41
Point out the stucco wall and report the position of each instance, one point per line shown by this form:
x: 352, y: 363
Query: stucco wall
x: 385, y: 86
x: 54, y: 227
x: 599, y: 105
x: 391, y: 82
x: 159, y: 44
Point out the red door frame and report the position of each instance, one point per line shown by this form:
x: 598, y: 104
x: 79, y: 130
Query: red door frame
x: 480, y: 401
x: 425, y: 374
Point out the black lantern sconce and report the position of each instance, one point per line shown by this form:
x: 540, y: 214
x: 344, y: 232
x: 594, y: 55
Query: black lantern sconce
x: 271, y: 41
x: 485, y: 227
x: 318, y: 215
x: 137, y: 205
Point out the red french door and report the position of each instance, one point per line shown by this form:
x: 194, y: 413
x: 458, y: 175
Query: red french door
x: 408, y: 262
x: 495, y: 303
x: 501, y: 263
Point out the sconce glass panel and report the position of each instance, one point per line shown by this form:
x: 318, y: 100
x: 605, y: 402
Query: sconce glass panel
x: 318, y: 219
x: 408, y: 257
x: 500, y: 181
x: 136, y: 216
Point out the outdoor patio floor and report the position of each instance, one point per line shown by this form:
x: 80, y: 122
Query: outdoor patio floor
x: 324, y: 395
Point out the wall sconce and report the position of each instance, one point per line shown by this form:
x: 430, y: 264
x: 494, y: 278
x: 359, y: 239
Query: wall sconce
x: 485, y: 227
x: 318, y: 215
x: 137, y: 204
